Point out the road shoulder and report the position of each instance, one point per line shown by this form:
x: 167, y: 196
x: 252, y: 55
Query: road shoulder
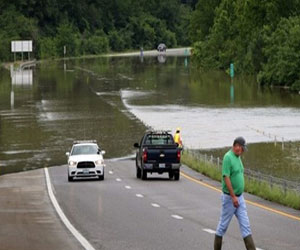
x: 28, y: 219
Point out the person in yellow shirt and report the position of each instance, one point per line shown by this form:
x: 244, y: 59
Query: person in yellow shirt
x: 177, y: 138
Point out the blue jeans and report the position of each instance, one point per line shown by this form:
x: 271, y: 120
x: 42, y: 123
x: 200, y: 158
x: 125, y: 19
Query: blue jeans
x: 228, y: 210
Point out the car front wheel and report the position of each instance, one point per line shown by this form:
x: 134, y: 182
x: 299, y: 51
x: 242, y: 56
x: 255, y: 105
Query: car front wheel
x: 70, y: 178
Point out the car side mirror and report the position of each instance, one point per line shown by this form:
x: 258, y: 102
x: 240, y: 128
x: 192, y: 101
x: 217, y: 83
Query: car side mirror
x: 103, y: 152
x: 136, y: 145
x: 67, y: 154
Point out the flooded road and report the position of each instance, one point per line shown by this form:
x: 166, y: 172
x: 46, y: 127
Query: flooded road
x: 214, y: 127
x: 114, y: 100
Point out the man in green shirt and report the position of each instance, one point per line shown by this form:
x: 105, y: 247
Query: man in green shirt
x: 233, y: 202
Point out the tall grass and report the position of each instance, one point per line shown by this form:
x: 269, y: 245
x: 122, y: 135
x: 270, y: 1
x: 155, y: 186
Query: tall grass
x: 262, y: 189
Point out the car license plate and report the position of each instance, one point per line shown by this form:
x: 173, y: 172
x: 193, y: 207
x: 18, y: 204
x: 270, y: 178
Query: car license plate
x: 162, y: 165
x: 86, y: 171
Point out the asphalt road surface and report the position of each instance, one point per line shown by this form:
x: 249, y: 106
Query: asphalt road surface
x: 123, y: 212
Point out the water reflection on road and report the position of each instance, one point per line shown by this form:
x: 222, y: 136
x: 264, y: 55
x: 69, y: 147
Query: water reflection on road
x: 113, y: 100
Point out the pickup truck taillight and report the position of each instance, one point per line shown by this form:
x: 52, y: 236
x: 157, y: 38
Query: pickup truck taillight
x: 178, y: 155
x: 145, y: 155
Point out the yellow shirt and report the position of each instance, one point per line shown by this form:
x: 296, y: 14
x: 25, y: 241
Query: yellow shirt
x: 177, y: 139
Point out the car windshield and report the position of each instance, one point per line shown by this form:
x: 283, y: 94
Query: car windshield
x: 159, y: 139
x: 85, y: 150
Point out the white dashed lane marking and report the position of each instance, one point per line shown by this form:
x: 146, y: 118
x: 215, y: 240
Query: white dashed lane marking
x: 175, y: 216
x: 127, y: 187
x: 110, y: 172
x: 139, y: 195
x: 155, y: 205
x: 209, y: 230
x: 118, y: 179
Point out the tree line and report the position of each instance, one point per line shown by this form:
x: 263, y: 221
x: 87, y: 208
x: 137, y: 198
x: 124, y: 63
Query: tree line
x: 258, y: 36
x: 93, y: 27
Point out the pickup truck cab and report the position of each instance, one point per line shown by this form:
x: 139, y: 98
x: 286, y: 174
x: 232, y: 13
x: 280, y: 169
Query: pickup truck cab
x: 157, y: 153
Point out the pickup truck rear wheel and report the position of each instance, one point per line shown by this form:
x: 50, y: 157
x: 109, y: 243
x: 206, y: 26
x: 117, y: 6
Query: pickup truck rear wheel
x: 177, y: 175
x: 138, y: 172
x: 144, y: 174
x: 171, y: 175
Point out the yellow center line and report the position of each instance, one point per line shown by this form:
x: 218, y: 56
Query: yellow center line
x: 249, y: 202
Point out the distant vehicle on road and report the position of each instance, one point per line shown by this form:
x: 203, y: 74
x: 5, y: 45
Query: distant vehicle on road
x: 85, y: 160
x: 161, y: 47
x: 157, y: 153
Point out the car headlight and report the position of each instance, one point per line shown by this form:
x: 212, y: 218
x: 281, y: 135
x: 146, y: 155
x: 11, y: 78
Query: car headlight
x: 99, y: 162
x: 72, y: 163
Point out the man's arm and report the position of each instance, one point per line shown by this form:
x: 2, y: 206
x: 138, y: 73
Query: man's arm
x: 230, y: 189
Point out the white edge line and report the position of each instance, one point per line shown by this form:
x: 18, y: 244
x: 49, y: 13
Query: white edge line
x: 83, y: 241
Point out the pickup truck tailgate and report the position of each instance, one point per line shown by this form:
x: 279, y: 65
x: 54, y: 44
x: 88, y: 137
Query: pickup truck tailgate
x: 162, y: 155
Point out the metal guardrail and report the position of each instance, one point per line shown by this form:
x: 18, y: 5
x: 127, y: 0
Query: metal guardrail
x: 250, y: 174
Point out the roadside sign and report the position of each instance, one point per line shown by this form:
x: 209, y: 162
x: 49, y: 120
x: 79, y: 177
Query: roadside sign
x: 21, y: 46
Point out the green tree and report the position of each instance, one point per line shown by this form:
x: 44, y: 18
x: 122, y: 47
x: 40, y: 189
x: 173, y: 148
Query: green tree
x: 282, y: 53
x: 128, y: 24
x: 95, y: 44
x: 202, y: 19
x: 148, y: 31
x: 47, y: 48
x: 15, y: 26
x: 116, y: 41
x: 67, y: 36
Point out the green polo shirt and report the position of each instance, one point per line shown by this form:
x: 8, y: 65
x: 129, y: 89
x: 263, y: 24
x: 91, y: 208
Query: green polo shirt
x: 233, y: 168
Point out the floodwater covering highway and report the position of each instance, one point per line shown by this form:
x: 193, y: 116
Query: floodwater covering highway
x: 44, y: 108
x: 113, y: 100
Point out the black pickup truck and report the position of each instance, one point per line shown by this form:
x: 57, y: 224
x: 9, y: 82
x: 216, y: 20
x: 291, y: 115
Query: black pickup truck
x: 157, y: 152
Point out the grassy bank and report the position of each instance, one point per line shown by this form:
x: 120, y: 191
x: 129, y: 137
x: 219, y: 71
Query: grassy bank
x: 262, y: 189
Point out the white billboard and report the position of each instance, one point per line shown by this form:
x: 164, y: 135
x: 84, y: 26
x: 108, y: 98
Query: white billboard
x: 21, y: 46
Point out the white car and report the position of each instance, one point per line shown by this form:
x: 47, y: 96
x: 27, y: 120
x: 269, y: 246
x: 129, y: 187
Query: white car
x: 85, y: 160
